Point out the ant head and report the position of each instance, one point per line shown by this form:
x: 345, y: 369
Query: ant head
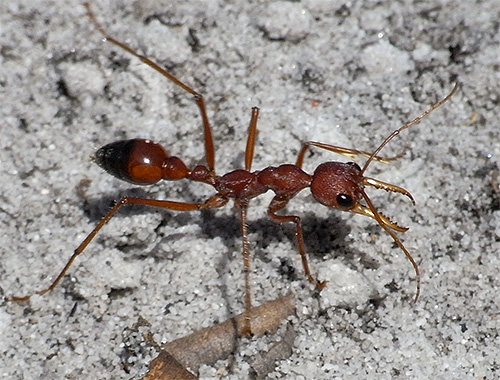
x: 341, y: 185
x: 337, y: 184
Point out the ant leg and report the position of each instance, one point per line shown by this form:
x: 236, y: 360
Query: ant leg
x: 242, y: 205
x: 278, y: 203
x: 409, y: 124
x: 213, y: 202
x: 373, y: 156
x: 340, y: 150
x: 252, y: 134
x: 209, y: 143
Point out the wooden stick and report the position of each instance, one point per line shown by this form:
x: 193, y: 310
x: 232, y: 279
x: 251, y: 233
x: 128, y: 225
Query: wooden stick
x: 165, y: 367
x: 217, y: 342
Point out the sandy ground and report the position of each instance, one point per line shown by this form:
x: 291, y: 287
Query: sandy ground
x: 319, y: 70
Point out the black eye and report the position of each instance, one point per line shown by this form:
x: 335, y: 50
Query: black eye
x: 355, y: 165
x: 345, y: 200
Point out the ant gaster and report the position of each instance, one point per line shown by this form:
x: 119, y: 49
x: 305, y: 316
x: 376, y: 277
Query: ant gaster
x: 333, y: 184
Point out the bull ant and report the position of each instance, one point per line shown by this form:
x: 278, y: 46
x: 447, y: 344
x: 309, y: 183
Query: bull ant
x: 334, y: 184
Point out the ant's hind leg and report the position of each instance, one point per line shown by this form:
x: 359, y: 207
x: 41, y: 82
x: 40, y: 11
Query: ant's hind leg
x: 213, y: 202
x: 209, y: 143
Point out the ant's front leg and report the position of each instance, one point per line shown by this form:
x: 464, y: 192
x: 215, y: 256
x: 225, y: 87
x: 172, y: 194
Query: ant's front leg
x: 278, y: 203
x: 340, y: 150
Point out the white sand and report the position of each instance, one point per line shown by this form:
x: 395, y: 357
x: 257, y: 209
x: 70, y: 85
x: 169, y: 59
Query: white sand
x: 370, y: 68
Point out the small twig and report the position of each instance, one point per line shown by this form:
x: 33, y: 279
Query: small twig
x: 265, y: 362
x: 165, y: 367
x: 218, y: 342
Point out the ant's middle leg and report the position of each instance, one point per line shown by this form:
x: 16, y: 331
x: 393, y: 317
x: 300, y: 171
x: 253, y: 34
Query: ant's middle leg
x: 242, y: 205
x: 278, y: 203
x: 252, y: 134
x: 213, y: 202
x: 209, y: 143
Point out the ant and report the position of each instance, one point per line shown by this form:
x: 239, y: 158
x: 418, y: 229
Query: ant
x: 334, y: 184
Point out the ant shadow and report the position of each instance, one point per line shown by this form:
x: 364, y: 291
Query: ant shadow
x: 323, y: 237
x: 95, y: 209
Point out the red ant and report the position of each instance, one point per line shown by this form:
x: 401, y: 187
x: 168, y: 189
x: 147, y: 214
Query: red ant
x: 333, y: 184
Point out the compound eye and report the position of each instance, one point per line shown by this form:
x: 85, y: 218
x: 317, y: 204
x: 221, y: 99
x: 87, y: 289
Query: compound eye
x: 354, y: 165
x: 345, y: 200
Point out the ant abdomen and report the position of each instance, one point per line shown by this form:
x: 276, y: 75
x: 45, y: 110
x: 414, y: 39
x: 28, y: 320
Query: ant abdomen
x: 138, y: 161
